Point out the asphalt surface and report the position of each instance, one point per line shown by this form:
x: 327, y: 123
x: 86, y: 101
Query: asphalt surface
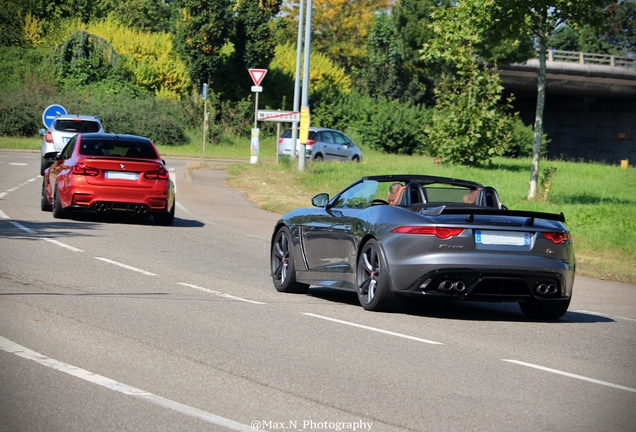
x: 118, y: 324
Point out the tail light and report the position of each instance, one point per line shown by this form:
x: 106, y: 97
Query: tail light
x: 557, y: 237
x: 48, y: 137
x: 310, y: 142
x: 440, y: 232
x: 81, y: 169
x: 160, y: 174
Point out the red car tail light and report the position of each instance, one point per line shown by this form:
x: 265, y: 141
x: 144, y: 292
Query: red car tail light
x: 557, y: 238
x: 440, y: 232
x: 310, y: 142
x: 160, y: 174
x: 81, y: 169
x: 49, y: 137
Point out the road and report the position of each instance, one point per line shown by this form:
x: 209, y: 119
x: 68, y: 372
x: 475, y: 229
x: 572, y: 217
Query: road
x: 117, y: 325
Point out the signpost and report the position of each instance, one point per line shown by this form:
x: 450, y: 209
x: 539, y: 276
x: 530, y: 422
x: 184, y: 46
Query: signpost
x: 204, y: 95
x: 49, y: 114
x: 257, y: 76
x: 278, y: 116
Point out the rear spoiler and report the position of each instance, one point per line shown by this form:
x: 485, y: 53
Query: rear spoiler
x: 471, y: 212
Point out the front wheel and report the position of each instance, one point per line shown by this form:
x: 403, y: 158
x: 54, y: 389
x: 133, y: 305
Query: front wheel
x: 372, y: 279
x: 283, y: 265
x: 551, y: 310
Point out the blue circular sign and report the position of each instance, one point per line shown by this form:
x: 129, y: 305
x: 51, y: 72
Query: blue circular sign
x: 50, y: 113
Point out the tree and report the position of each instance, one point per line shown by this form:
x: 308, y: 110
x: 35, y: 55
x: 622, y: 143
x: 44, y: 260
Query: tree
x: 340, y: 28
x: 383, y: 74
x: 469, y: 124
x: 514, y: 19
x: 252, y: 40
x: 145, y: 15
x: 201, y: 30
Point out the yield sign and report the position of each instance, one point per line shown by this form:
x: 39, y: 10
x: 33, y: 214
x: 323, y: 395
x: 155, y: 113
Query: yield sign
x: 257, y: 75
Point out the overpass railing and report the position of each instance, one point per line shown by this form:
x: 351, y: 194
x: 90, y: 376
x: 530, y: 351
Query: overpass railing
x: 588, y: 58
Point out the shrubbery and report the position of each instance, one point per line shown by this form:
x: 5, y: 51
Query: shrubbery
x: 384, y: 125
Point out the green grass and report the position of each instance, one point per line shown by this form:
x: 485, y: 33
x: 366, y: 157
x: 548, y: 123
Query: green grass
x: 598, y: 201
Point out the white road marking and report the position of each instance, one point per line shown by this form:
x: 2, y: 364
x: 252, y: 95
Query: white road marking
x: 59, y: 243
x: 33, y: 179
x: 3, y: 215
x: 173, y: 177
x: 182, y: 208
x: 604, y: 315
x: 13, y: 189
x: 50, y: 240
x: 18, y: 163
x: 93, y: 378
x: 3, y: 194
x: 220, y: 294
x: 22, y: 227
x: 374, y: 329
x: 126, y: 266
x: 571, y: 375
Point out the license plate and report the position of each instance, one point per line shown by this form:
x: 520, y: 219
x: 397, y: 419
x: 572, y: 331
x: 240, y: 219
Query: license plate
x: 502, y: 238
x: 121, y: 175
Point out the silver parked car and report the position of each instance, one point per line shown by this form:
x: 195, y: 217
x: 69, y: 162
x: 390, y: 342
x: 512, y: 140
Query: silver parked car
x: 63, y: 128
x: 323, y: 144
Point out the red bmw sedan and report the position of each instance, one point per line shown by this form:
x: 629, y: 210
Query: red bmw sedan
x: 104, y: 172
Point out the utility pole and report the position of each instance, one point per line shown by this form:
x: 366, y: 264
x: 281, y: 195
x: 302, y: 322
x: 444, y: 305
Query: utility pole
x: 305, y: 95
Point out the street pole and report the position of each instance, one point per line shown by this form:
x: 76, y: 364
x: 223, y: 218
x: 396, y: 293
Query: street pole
x: 205, y: 120
x: 305, y: 95
x: 299, y: 43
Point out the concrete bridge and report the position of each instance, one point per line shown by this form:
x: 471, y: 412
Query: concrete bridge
x: 590, y: 111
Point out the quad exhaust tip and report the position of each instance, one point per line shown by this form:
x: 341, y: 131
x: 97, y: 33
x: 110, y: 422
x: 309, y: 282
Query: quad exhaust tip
x: 543, y: 289
x: 448, y: 285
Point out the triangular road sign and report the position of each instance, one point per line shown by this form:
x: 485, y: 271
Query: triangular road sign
x: 257, y: 75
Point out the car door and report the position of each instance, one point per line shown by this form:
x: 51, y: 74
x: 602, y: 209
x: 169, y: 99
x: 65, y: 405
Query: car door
x: 342, y: 146
x: 328, y: 145
x: 329, y: 238
x: 60, y: 166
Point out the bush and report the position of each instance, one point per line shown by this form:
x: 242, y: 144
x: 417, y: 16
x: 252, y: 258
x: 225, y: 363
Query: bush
x: 388, y: 126
x: 522, y: 141
x: 21, y: 110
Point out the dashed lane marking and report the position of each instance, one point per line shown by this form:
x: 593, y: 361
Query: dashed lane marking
x: 93, y: 378
x: 571, y: 375
x: 374, y: 329
x: 219, y: 294
x: 147, y: 273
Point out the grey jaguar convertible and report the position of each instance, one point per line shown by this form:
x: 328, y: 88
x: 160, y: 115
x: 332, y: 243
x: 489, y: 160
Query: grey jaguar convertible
x: 394, y: 236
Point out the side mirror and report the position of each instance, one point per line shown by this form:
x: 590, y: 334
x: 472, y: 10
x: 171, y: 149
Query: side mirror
x: 320, y: 200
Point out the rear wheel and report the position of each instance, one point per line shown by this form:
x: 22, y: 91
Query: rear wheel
x: 545, y: 310
x: 318, y: 157
x: 44, y: 202
x: 283, y: 265
x: 58, y: 211
x: 372, y: 279
x: 355, y: 159
x: 165, y: 219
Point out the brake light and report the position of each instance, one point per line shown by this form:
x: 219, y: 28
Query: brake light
x: 558, y: 237
x: 160, y: 174
x: 81, y: 169
x: 49, y: 137
x: 310, y: 142
x: 440, y: 232
x: 77, y: 119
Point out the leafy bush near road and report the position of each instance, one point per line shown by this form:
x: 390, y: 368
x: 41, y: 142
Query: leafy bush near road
x: 161, y: 120
x: 384, y: 125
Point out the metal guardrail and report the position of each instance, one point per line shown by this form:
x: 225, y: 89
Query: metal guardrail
x: 588, y: 58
